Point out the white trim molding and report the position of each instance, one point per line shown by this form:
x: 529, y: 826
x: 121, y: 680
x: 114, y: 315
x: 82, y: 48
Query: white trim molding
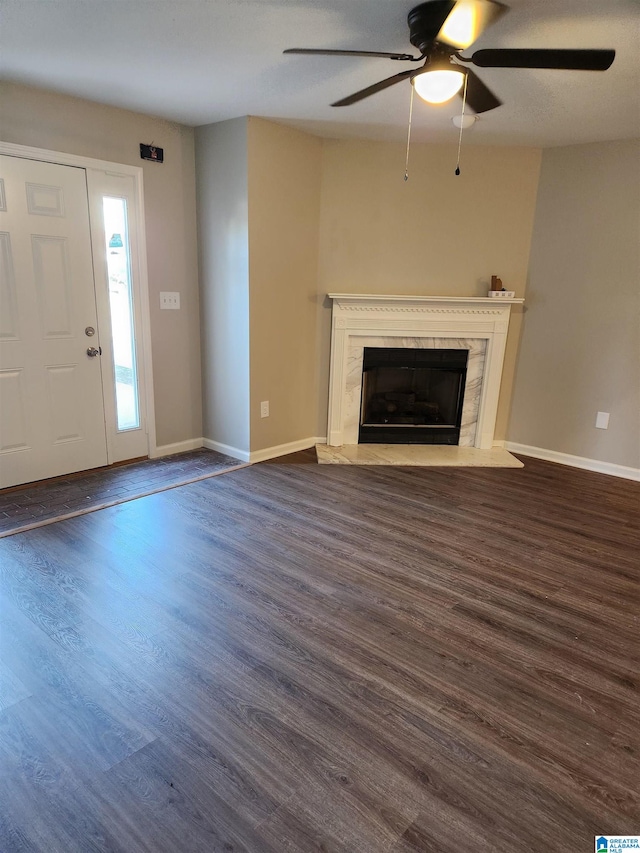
x: 88, y: 163
x: 176, y: 447
x: 267, y: 452
x: 596, y: 465
x: 479, y: 324
x: 284, y: 449
x: 227, y: 449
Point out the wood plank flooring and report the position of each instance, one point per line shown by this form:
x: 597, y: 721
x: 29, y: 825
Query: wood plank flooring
x: 35, y: 504
x: 294, y: 657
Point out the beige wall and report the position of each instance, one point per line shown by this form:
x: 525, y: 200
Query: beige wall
x: 284, y: 169
x: 286, y: 218
x: 223, y: 242
x: 42, y: 119
x: 438, y: 234
x: 580, y: 349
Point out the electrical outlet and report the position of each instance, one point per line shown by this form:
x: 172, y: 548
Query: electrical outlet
x: 264, y: 409
x: 602, y: 420
x: 169, y: 300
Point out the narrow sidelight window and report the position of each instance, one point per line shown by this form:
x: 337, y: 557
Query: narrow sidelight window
x: 121, y: 305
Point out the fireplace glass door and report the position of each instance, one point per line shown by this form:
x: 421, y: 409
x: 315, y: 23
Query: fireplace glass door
x: 412, y: 396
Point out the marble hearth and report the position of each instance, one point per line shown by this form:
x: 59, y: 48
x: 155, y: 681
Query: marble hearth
x: 477, y: 324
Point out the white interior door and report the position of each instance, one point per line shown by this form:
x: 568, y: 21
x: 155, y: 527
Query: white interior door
x: 51, y: 398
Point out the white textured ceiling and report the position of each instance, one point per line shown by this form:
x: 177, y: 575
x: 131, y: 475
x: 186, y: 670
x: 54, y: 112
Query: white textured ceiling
x: 202, y: 61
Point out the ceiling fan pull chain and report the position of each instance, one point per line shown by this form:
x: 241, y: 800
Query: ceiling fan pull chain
x: 464, y: 104
x: 406, y: 162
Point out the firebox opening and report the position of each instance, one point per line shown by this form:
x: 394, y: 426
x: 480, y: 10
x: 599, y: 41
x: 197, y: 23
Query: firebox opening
x: 412, y: 396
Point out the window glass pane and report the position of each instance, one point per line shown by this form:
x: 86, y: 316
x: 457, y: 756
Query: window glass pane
x: 121, y: 303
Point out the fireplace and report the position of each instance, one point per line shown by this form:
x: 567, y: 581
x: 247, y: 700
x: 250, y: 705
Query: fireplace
x: 412, y: 396
x: 475, y: 324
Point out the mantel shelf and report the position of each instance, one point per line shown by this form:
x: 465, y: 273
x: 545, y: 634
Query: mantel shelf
x: 460, y: 300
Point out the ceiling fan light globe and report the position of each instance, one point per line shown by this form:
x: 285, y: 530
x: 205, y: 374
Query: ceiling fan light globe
x: 464, y: 121
x: 438, y: 86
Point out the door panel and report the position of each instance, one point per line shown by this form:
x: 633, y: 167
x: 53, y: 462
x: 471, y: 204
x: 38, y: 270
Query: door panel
x: 13, y: 435
x: 8, y: 296
x: 51, y: 403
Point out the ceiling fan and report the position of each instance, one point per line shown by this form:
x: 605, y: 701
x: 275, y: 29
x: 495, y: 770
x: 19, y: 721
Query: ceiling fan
x: 440, y: 29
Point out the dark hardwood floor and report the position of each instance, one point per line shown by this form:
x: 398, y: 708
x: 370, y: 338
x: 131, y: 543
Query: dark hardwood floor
x: 300, y: 657
x: 34, y: 504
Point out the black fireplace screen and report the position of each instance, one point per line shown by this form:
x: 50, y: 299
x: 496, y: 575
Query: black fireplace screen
x: 412, y: 396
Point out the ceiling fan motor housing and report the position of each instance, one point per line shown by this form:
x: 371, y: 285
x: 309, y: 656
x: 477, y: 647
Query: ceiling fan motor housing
x: 426, y: 21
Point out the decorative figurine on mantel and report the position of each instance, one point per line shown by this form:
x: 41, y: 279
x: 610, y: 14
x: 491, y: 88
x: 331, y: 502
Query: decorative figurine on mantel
x: 497, y: 290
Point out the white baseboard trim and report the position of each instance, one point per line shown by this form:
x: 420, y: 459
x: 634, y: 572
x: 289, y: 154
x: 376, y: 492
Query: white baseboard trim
x: 501, y: 443
x: 177, y: 447
x: 575, y: 461
x: 235, y: 452
x: 283, y: 449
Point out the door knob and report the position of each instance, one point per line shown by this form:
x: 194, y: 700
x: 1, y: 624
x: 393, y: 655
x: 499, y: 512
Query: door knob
x: 92, y: 352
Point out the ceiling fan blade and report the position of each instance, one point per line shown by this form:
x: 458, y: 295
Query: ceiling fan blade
x: 469, y: 20
x: 479, y: 97
x: 577, y: 60
x: 371, y: 90
x: 406, y: 57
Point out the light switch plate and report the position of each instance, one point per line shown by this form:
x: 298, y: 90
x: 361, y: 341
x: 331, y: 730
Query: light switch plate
x: 169, y: 300
x: 602, y: 420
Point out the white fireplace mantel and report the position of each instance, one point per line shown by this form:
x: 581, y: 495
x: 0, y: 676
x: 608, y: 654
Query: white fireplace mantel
x: 478, y: 324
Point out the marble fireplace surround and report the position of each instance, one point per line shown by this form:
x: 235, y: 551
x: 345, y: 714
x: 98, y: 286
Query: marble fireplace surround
x: 479, y: 324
